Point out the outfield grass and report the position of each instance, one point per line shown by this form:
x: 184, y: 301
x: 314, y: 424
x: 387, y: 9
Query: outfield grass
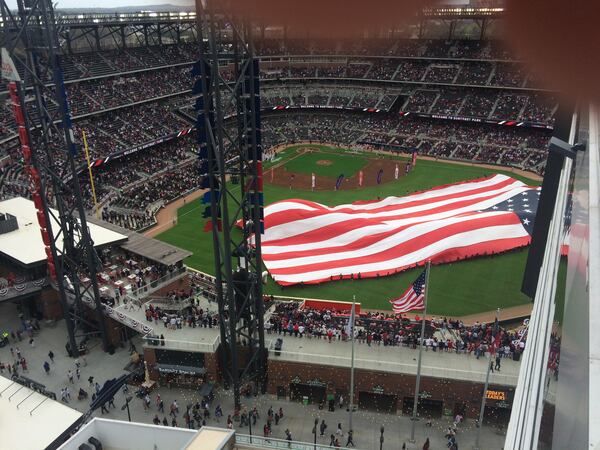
x: 462, y: 288
x: 341, y: 163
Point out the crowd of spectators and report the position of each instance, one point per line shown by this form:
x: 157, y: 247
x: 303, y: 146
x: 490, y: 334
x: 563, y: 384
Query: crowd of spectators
x: 190, y: 316
x: 431, y: 48
x: 104, y: 93
x: 134, y: 208
x: 388, y: 329
x: 514, y: 146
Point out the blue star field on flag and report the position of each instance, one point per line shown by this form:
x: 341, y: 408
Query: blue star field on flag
x: 523, y: 205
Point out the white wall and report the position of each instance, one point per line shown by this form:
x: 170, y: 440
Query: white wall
x: 118, y: 435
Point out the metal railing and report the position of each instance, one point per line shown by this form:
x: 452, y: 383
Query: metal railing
x: 171, y: 344
x: 154, y: 285
x: 266, y: 442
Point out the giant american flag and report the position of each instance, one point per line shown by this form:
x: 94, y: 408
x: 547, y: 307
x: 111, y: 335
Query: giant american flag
x: 306, y: 242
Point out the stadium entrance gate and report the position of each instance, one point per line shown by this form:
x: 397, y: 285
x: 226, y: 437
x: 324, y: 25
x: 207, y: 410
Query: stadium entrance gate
x: 425, y: 408
x: 495, y: 415
x: 315, y: 392
x: 379, y: 402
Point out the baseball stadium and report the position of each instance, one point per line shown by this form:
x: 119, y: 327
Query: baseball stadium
x: 226, y: 225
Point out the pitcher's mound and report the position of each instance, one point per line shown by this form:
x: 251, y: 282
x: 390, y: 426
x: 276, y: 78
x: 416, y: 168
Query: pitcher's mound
x: 324, y: 162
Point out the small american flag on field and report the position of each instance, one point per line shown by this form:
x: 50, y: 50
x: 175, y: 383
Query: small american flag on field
x: 413, y: 298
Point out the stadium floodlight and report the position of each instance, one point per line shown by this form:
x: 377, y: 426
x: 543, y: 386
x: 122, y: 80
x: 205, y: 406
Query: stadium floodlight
x: 234, y: 176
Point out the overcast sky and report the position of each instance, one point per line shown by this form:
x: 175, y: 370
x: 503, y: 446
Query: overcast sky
x: 110, y: 3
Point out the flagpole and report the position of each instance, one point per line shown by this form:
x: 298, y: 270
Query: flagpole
x: 351, y: 395
x: 485, y: 387
x: 418, y: 382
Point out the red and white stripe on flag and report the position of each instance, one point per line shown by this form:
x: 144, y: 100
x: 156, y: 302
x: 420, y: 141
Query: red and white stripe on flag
x: 413, y: 297
x: 408, y: 302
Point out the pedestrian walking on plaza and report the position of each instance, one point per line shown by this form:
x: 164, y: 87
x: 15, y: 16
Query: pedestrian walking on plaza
x: 229, y: 422
x: 156, y: 420
x: 165, y: 422
x: 70, y: 376
x: 276, y: 419
x: 46, y: 367
x: 63, y: 395
x: 288, y: 437
x: 68, y: 392
x: 174, y: 423
x: 497, y: 363
x: 78, y: 373
x: 323, y: 427
x: 161, y: 406
x: 339, y: 431
x: 341, y: 401
x: 426, y: 444
x: 350, y: 440
x: 12, y: 352
x: 331, y: 440
x: 97, y: 386
x: 91, y: 381
x: 51, y: 356
x: 492, y: 366
x: 280, y: 412
x: 32, y: 342
x: 18, y: 350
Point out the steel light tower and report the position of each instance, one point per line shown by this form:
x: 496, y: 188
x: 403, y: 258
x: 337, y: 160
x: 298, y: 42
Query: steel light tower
x: 226, y: 82
x: 31, y: 46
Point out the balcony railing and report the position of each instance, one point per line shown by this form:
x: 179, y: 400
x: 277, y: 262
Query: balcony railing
x: 263, y: 442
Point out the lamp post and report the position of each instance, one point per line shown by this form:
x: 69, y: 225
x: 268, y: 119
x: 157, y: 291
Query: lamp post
x: 126, y: 406
x: 381, y: 438
x: 250, y: 415
x: 351, y: 333
x: 315, y: 431
x: 487, y: 381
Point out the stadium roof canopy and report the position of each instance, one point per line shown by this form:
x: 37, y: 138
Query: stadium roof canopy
x: 149, y: 248
x: 29, y: 419
x: 25, y: 244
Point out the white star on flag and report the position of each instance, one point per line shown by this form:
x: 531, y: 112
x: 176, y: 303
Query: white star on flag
x: 526, y: 222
